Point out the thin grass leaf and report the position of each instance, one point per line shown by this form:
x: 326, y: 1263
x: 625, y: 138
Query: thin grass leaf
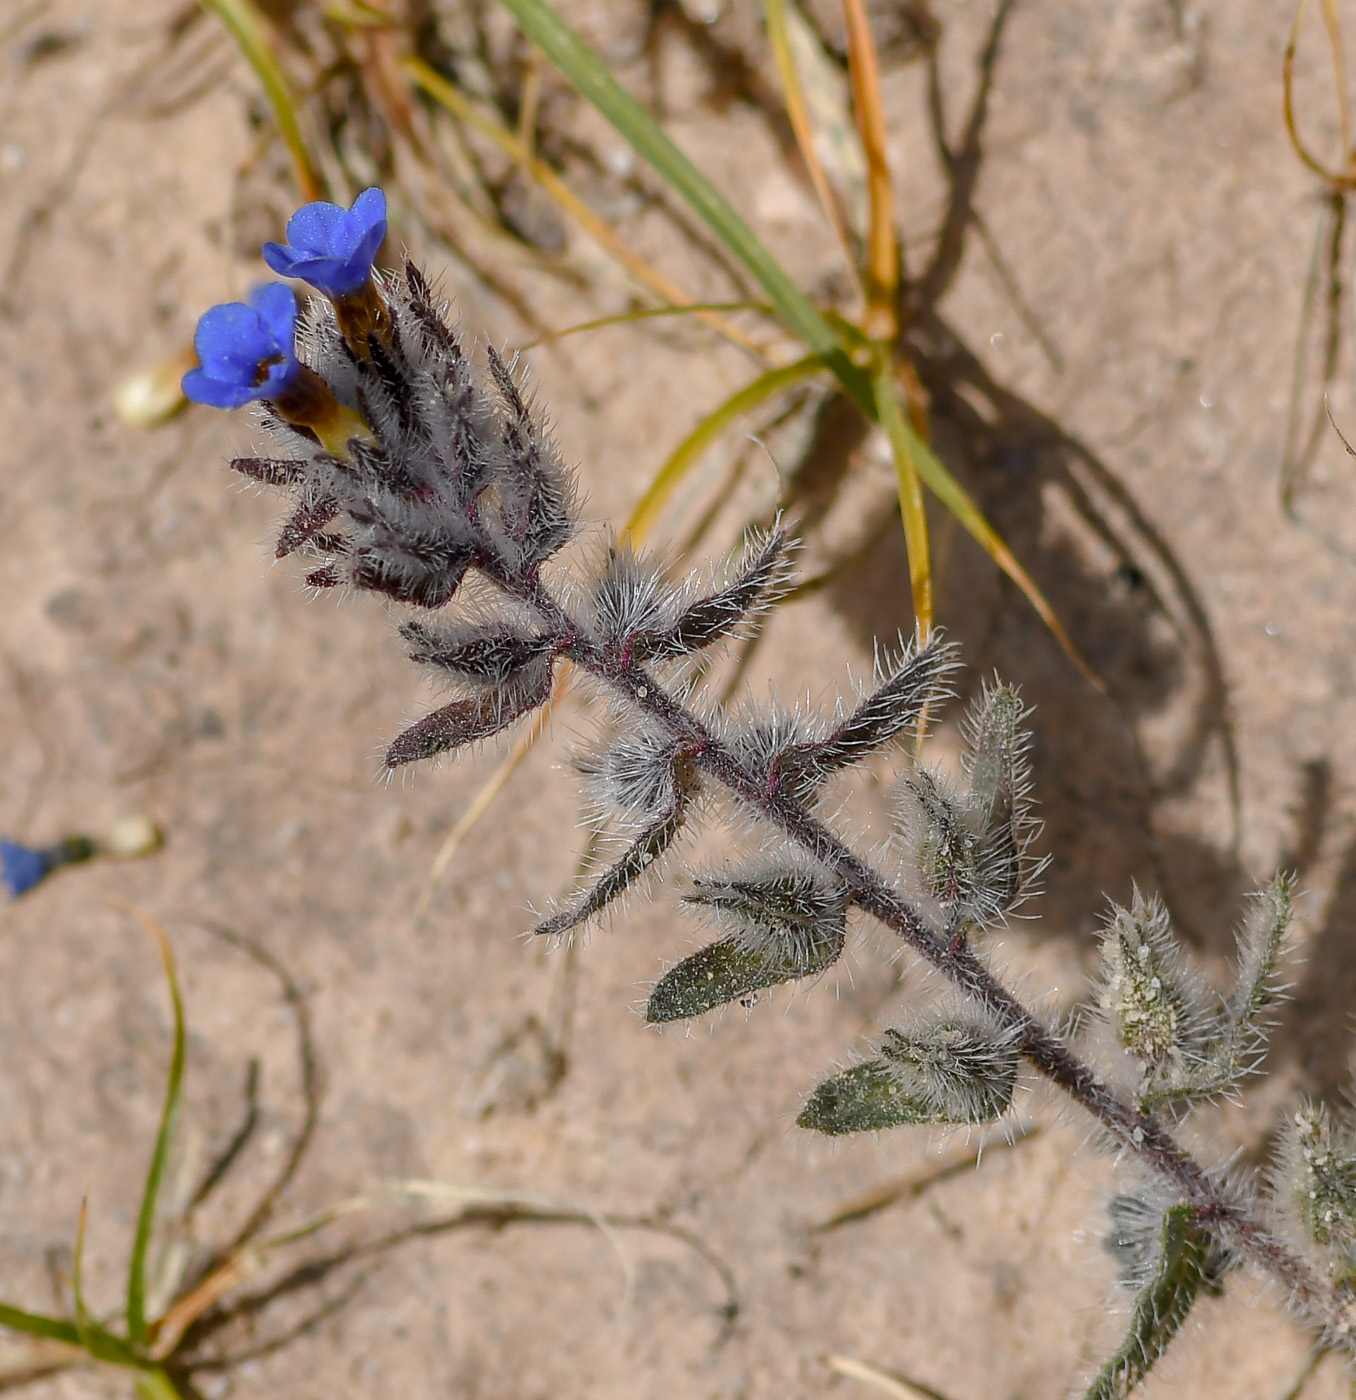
x: 589, y: 75
x: 83, y: 1321
x: 891, y: 414
x: 1296, y: 457
x: 1186, y: 1267
x: 246, y: 26
x: 51, y: 1329
x: 882, y: 243
x: 164, y: 1142
x: 155, y: 1384
x: 355, y: 14
x: 647, y: 313
x: 464, y: 109
x: 957, y: 500
x: 779, y: 17
x: 99, y: 1343
x: 686, y: 454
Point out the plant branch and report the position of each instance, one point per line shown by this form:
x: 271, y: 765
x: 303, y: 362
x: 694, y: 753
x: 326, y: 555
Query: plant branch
x: 1140, y: 1135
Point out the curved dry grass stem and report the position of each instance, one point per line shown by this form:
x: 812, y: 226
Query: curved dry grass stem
x: 1343, y: 178
x: 884, y: 1382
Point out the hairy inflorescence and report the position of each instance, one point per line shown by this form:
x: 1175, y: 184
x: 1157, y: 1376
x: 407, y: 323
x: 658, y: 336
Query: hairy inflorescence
x: 420, y: 471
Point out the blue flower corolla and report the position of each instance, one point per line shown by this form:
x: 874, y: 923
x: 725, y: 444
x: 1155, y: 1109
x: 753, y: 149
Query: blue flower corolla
x: 21, y: 867
x: 332, y: 247
x: 246, y: 350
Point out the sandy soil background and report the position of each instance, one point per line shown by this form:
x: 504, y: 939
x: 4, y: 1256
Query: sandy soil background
x: 1143, y: 201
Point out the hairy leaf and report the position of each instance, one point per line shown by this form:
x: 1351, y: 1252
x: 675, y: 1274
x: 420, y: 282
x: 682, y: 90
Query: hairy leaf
x: 307, y: 520
x: 271, y: 471
x: 1146, y: 992
x: 481, y: 654
x: 998, y: 798
x: 652, y: 842
x: 943, y: 844
x: 757, y: 578
x: 951, y: 1072
x: 467, y: 721
x: 863, y: 1099
x: 773, y: 903
x: 1187, y: 1264
x: 635, y: 776
x: 906, y: 687
x: 1221, y: 1048
x: 732, y: 970
x: 1317, y: 1174
x: 1261, y: 942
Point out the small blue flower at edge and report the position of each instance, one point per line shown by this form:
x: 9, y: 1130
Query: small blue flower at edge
x: 21, y: 867
x: 246, y: 350
x: 332, y: 247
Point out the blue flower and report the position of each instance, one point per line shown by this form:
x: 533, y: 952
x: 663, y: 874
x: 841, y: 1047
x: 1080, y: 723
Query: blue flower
x: 246, y: 351
x: 331, y: 247
x: 21, y: 867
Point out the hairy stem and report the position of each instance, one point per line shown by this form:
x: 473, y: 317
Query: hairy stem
x: 1138, y: 1134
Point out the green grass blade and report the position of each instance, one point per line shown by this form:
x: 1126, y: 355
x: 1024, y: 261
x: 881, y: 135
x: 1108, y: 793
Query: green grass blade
x: 246, y: 26
x: 589, y: 75
x: 101, y: 1344
x: 51, y: 1329
x: 136, y: 1273
x: 706, y: 432
x: 83, y: 1322
x: 156, y: 1385
x: 891, y: 415
x: 646, y: 313
x: 957, y: 500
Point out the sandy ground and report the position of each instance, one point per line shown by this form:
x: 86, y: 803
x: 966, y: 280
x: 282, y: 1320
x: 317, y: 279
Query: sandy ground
x: 1138, y: 188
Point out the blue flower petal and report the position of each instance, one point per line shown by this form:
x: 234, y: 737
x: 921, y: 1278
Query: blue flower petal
x: 200, y: 387
x: 331, y: 247
x: 319, y: 228
x: 230, y: 338
x: 21, y: 867
x: 369, y: 209
x: 247, y: 351
x: 275, y: 304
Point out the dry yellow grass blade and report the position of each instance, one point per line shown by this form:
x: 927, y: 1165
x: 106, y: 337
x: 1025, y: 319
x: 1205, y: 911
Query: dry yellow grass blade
x: 886, y: 1382
x: 780, y: 18
x: 882, y: 244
